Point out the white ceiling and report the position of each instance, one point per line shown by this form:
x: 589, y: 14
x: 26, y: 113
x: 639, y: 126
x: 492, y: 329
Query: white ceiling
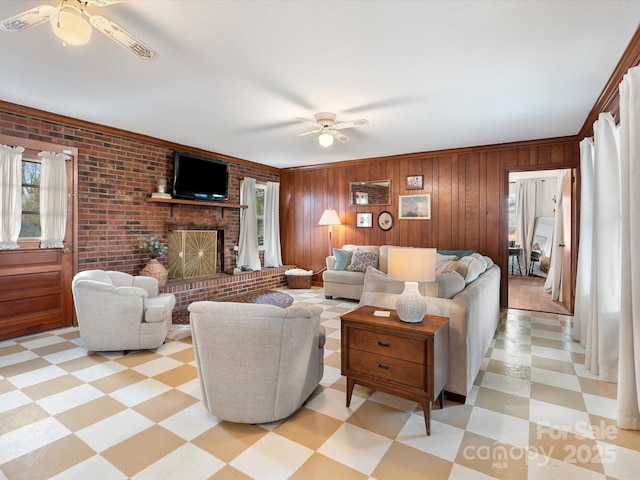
x: 232, y: 76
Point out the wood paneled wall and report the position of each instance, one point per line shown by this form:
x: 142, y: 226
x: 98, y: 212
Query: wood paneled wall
x: 468, y: 187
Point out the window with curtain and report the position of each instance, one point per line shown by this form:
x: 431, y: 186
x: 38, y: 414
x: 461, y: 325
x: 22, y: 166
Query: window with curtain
x: 30, y: 225
x: 260, y: 196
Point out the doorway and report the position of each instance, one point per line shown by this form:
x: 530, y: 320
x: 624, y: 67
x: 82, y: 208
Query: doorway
x: 531, y: 243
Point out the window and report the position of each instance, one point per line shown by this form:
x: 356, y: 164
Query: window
x: 30, y: 227
x: 260, y: 194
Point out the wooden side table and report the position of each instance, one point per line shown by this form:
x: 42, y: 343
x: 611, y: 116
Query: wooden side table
x: 410, y: 360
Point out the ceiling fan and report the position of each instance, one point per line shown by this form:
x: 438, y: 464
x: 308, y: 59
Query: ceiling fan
x: 326, y: 125
x: 69, y: 25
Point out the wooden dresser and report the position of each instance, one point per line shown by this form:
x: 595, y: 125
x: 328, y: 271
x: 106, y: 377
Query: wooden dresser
x: 410, y: 360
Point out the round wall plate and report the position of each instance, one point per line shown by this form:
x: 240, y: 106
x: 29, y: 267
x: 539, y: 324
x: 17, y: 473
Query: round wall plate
x: 385, y: 220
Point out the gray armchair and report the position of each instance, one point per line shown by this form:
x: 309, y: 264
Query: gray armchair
x: 256, y: 363
x: 118, y: 311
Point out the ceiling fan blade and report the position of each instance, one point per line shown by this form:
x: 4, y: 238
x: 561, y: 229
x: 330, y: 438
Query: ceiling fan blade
x: 309, y: 133
x: 102, y: 3
x: 341, y: 137
x: 306, y: 120
x: 122, y: 37
x: 354, y: 123
x: 27, y: 19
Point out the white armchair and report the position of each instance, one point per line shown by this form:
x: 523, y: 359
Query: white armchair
x: 118, y: 311
x: 256, y: 363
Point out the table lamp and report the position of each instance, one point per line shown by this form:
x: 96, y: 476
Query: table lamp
x: 412, y: 265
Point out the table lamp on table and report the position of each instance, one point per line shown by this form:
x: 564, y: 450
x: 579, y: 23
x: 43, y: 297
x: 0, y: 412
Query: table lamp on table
x: 412, y: 265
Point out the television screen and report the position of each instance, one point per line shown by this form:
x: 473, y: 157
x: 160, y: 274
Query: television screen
x: 199, y: 178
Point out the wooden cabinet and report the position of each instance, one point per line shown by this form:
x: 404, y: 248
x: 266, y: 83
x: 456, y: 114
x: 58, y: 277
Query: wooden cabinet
x: 410, y: 360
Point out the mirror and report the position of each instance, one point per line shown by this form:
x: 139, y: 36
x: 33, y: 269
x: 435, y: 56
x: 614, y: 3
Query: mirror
x: 376, y: 192
x: 543, y: 235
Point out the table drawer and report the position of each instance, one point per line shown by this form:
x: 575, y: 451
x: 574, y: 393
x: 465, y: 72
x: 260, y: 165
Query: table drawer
x: 410, y: 349
x: 387, y: 368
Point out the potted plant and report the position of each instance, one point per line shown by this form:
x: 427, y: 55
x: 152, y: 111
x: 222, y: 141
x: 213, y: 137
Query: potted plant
x: 154, y: 268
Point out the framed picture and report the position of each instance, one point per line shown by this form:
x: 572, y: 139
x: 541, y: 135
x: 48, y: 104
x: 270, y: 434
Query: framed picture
x: 385, y: 221
x: 414, y: 182
x: 415, y: 207
x: 364, y: 220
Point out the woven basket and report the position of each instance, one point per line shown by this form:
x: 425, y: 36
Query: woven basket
x: 299, y: 281
x: 156, y: 270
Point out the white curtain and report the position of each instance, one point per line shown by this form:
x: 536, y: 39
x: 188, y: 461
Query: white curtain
x: 554, y: 278
x: 582, y: 314
x: 272, y: 252
x: 602, y: 336
x: 53, y: 199
x: 629, y: 366
x: 10, y: 196
x: 527, y: 198
x: 248, y: 243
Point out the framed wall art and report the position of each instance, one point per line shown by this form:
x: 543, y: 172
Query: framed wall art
x: 414, y: 207
x: 414, y: 182
x: 364, y: 220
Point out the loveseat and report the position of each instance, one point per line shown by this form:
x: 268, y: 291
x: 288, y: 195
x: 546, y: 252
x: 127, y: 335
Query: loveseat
x: 467, y: 291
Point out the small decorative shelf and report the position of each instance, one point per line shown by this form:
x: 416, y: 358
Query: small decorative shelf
x: 179, y: 201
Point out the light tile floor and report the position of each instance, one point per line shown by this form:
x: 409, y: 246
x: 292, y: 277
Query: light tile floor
x: 534, y: 412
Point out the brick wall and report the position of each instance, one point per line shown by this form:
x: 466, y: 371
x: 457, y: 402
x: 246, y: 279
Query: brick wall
x: 115, y: 175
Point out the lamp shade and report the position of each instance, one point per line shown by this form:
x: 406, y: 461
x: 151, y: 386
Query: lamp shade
x: 325, y: 139
x: 69, y: 26
x: 412, y: 264
x: 330, y: 217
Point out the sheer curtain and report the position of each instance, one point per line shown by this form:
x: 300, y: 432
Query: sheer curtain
x: 527, y: 198
x: 53, y: 199
x: 629, y: 373
x: 582, y: 310
x: 10, y: 196
x: 272, y: 252
x: 602, y: 337
x: 554, y: 278
x: 248, y: 243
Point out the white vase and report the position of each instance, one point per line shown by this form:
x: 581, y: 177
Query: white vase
x: 411, y: 305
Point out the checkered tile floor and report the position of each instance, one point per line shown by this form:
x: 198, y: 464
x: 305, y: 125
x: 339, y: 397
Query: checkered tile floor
x: 533, y: 413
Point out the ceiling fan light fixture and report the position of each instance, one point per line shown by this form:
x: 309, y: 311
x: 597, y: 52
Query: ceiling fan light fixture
x: 325, y: 139
x: 69, y: 26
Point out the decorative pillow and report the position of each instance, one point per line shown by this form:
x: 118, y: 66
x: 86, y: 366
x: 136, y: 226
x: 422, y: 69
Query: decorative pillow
x: 480, y: 258
x: 361, y: 260
x: 449, y: 284
x: 457, y: 253
x: 379, y: 282
x: 469, y: 267
x: 489, y: 262
x: 343, y: 259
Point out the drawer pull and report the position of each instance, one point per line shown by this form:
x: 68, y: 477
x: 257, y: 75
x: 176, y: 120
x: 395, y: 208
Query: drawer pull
x: 383, y: 344
x: 383, y: 366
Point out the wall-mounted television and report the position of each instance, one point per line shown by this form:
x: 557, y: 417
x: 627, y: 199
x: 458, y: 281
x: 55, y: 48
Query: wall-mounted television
x: 199, y: 178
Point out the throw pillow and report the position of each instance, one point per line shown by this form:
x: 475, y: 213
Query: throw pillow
x: 449, y: 284
x: 343, y: 259
x: 377, y: 281
x: 361, y: 260
x: 469, y: 267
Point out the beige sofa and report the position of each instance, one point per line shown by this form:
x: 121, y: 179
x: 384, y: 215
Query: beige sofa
x: 474, y: 312
x: 256, y: 363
